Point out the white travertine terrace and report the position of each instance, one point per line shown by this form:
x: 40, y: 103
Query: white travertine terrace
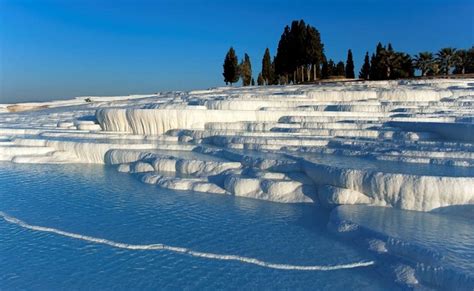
x: 406, y: 144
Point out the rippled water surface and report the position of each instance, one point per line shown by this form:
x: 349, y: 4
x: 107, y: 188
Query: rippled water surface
x: 450, y: 236
x: 98, y: 202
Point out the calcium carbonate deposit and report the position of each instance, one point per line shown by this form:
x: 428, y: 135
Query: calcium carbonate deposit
x: 403, y: 144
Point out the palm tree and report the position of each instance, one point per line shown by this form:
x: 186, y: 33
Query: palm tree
x: 434, y: 70
x: 388, y: 60
x: 446, y: 58
x: 404, y: 67
x: 462, y: 62
x: 424, y: 62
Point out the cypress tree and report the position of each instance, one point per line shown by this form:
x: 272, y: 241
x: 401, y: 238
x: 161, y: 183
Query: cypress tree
x: 331, y: 68
x: 253, y: 82
x: 300, y: 53
x: 231, y: 67
x: 301, y: 50
x: 273, y: 76
x: 325, y: 70
x: 365, y: 70
x: 390, y: 63
x: 378, y: 68
x: 340, y: 70
x: 387, y: 63
x: 350, y: 66
x: 313, y: 53
x: 373, y: 74
x: 282, y: 65
x: 390, y: 48
x: 267, y: 67
x: 246, y: 71
x: 260, y: 80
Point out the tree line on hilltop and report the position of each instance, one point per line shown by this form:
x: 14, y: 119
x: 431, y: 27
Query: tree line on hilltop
x: 300, y: 58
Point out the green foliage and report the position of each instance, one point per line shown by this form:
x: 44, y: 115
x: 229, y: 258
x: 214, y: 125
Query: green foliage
x: 377, y: 66
x: 424, y: 62
x: 260, y: 80
x: 325, y: 70
x: 231, y: 67
x: 340, y: 69
x: 434, y: 70
x: 299, y: 53
x: 282, y: 59
x: 267, y: 72
x: 365, y: 70
x: 403, y: 67
x: 388, y: 64
x: 273, y: 80
x: 446, y: 58
x: 300, y: 58
x: 331, y: 68
x: 246, y: 71
x: 470, y: 62
x: 350, y: 66
x: 464, y: 61
x: 380, y: 64
x: 282, y: 80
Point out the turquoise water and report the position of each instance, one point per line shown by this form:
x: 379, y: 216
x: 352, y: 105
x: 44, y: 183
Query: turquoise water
x: 98, y: 202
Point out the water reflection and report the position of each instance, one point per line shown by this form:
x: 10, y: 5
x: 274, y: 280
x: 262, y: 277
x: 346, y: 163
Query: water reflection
x: 450, y: 236
x: 99, y: 202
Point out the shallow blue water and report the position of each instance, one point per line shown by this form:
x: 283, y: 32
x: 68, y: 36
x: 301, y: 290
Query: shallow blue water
x: 99, y: 202
x: 450, y: 237
x: 387, y: 166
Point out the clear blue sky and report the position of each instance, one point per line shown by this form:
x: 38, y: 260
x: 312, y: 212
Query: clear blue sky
x: 61, y: 49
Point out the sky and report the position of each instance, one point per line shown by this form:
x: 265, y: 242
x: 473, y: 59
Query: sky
x: 51, y: 49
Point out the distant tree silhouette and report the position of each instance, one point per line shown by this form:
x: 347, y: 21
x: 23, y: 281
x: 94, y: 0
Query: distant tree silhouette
x: 331, y: 68
x: 314, y: 50
x: 300, y: 58
x: 246, y: 71
x: 424, y: 62
x: 388, y: 61
x: 267, y: 67
x: 403, y: 67
x: 325, y: 70
x: 283, y: 65
x: 376, y: 66
x: 470, y: 62
x: 462, y: 62
x: 350, y: 66
x: 365, y: 70
x: 387, y: 64
x: 299, y: 53
x: 273, y: 76
x: 340, y: 69
x: 260, y: 80
x: 446, y: 58
x: 434, y: 70
x: 231, y: 67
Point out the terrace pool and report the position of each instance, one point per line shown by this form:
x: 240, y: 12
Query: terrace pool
x: 89, y: 227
